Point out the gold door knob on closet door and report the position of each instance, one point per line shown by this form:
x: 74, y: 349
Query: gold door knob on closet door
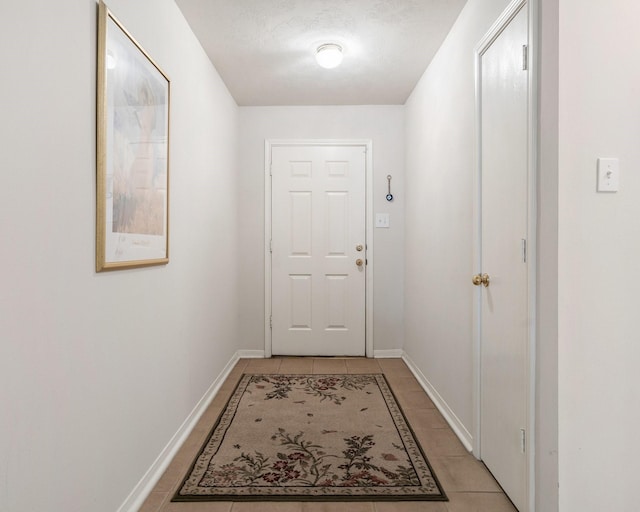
x: 359, y: 262
x: 483, y: 279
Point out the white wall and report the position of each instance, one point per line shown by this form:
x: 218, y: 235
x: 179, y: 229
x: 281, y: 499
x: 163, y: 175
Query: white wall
x: 546, y: 411
x: 440, y: 137
x: 599, y: 244
x: 384, y: 125
x: 439, y: 166
x: 97, y: 372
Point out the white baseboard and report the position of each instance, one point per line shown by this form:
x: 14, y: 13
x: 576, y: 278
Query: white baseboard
x: 388, y: 354
x: 250, y: 354
x: 454, y: 422
x: 140, y: 492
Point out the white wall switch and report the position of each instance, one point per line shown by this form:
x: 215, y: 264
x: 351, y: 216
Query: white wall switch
x: 608, y: 174
x: 382, y: 220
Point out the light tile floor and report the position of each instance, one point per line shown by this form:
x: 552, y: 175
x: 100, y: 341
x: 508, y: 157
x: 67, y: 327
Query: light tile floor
x: 468, y: 484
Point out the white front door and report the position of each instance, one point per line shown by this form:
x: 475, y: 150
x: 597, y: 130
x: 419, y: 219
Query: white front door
x: 318, y: 250
x: 504, y: 313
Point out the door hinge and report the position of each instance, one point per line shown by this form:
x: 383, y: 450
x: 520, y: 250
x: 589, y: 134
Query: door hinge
x: 524, y: 250
x: 271, y: 322
x: 525, y: 57
x: 523, y: 440
x: 271, y: 245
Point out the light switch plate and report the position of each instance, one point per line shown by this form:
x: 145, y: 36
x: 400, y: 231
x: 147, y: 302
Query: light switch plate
x: 608, y: 174
x: 382, y: 220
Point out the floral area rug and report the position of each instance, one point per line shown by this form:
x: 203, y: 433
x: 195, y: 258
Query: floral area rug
x: 311, y: 437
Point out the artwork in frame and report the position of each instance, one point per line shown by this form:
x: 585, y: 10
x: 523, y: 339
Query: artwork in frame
x: 132, y: 185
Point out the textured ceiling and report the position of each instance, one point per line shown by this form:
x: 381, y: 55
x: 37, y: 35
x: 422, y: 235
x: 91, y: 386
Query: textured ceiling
x: 264, y: 49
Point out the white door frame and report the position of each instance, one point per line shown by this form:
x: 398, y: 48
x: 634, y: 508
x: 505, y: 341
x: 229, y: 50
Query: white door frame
x: 367, y: 144
x: 532, y: 181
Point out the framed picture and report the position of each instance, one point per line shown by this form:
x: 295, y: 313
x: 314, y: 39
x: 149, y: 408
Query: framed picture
x: 132, y: 186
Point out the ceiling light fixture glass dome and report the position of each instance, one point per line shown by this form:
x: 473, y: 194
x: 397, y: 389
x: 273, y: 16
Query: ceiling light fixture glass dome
x: 329, y: 55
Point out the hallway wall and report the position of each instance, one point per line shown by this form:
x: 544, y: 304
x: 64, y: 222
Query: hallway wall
x: 599, y: 244
x: 440, y: 138
x: 385, y: 126
x: 98, y: 371
x: 440, y: 161
x: 546, y: 442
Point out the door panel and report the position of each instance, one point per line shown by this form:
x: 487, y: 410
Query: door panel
x: 318, y: 219
x: 504, y: 303
x: 300, y: 316
x: 337, y: 206
x: 300, y: 223
x: 336, y: 304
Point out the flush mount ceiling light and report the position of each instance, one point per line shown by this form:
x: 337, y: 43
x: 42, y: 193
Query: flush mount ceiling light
x: 329, y: 55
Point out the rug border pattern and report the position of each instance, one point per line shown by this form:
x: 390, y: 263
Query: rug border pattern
x: 412, y: 446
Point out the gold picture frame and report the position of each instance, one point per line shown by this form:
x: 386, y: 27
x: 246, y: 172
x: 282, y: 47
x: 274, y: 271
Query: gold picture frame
x: 132, y: 178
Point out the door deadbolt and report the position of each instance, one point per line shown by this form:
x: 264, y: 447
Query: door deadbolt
x: 359, y: 247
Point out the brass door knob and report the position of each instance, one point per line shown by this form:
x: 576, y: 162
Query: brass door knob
x: 359, y: 262
x: 483, y: 279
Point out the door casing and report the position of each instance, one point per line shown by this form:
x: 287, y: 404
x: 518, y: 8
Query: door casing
x: 509, y: 13
x: 366, y: 144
